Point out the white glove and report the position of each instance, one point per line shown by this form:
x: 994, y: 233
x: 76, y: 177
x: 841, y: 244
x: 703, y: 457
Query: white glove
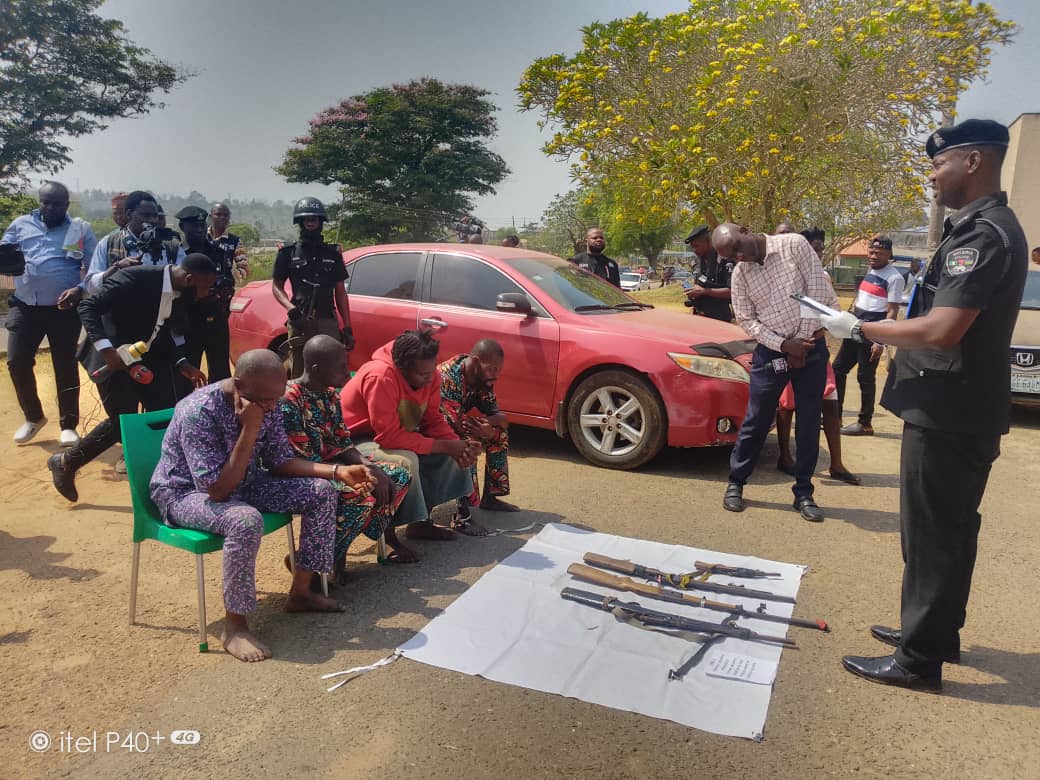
x: 839, y: 325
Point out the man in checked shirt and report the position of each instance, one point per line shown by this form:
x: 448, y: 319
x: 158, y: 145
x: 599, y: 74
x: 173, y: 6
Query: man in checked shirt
x: 790, y: 348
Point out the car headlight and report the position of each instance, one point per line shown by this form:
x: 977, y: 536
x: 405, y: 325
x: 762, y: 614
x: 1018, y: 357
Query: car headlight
x: 714, y: 367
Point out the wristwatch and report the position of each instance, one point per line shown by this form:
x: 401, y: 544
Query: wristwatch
x: 858, y: 337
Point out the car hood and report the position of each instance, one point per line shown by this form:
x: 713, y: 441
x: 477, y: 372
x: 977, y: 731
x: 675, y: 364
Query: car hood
x: 676, y: 330
x: 1027, y: 329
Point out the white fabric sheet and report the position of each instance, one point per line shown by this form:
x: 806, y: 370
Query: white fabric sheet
x: 512, y: 626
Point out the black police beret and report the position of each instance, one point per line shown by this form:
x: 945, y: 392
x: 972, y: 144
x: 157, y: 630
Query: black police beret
x: 12, y: 261
x: 700, y: 230
x: 970, y: 132
x: 191, y: 214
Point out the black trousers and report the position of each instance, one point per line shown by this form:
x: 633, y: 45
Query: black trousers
x: 941, y: 483
x: 26, y: 327
x: 767, y: 383
x: 849, y: 354
x: 122, y: 395
x: 210, y: 336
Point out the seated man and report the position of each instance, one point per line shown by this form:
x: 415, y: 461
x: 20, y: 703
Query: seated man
x: 392, y: 406
x: 314, y: 424
x: 469, y: 405
x: 210, y: 477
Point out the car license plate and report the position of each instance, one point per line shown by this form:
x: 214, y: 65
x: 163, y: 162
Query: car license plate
x: 1025, y: 384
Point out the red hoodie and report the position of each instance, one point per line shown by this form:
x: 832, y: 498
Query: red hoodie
x: 377, y: 402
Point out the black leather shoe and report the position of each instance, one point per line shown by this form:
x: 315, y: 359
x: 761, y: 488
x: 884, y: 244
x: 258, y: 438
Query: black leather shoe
x: 734, y: 498
x: 894, y: 637
x: 887, y: 671
x: 64, y: 478
x: 808, y: 510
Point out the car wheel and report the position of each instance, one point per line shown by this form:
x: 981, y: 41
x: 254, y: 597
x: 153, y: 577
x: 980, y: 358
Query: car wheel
x: 616, y: 420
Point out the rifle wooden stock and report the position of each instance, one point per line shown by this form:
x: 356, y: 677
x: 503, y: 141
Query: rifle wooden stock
x: 614, y: 564
x: 624, y: 584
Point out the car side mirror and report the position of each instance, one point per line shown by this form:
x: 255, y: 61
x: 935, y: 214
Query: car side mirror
x: 514, y: 303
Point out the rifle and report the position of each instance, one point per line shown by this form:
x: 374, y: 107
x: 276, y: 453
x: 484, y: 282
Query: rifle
x: 597, y: 577
x: 732, y: 571
x: 655, y: 619
x: 681, y: 581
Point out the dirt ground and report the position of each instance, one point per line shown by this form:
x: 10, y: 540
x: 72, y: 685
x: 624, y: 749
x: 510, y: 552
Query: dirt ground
x: 73, y: 665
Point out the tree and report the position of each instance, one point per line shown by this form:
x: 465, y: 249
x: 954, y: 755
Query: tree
x: 408, y: 158
x: 66, y: 72
x: 564, y: 224
x: 754, y: 111
x: 13, y: 205
x: 249, y: 234
x: 625, y: 233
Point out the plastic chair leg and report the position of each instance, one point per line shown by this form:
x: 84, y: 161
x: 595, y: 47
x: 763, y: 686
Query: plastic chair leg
x: 200, y: 574
x: 292, y: 547
x: 381, y: 549
x: 134, y: 568
x: 325, y: 584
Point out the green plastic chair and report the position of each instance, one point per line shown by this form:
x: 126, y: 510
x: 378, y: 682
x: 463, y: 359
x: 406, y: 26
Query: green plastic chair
x: 142, y: 445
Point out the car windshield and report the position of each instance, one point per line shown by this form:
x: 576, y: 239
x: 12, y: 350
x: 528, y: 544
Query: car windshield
x: 571, y: 287
x: 1031, y: 295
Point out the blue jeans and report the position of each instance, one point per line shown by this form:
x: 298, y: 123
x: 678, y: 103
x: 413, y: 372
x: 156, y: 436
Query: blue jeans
x: 770, y: 373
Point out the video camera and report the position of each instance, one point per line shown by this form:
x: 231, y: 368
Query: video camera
x: 467, y: 226
x: 153, y: 236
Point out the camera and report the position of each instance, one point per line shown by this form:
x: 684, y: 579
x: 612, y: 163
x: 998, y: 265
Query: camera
x: 467, y: 226
x: 154, y: 235
x: 12, y: 261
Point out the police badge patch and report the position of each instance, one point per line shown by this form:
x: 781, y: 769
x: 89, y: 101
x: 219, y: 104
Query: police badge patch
x: 961, y: 261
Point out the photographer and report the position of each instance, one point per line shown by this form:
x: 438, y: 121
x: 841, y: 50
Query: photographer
x: 709, y: 295
x: 141, y: 242
x: 469, y: 230
x: 207, y: 319
x: 317, y: 273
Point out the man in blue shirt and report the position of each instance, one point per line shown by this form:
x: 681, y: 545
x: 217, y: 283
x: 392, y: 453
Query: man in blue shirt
x: 44, y: 304
x: 141, y: 242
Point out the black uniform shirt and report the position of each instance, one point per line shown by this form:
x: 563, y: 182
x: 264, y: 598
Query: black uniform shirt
x: 980, y: 264
x: 713, y: 274
x: 313, y: 269
x: 219, y: 301
x: 601, y: 265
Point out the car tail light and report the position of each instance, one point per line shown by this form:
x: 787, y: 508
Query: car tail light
x: 240, y: 304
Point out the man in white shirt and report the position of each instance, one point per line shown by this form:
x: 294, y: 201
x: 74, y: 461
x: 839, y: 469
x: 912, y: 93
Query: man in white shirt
x: 878, y: 298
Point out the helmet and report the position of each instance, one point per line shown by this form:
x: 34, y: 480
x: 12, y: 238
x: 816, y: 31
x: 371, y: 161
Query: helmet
x: 308, y: 207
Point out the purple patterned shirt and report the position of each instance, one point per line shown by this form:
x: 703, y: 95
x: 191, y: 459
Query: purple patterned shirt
x: 198, y: 444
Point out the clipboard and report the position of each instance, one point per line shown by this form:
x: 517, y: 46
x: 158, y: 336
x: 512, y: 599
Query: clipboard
x: 815, y: 305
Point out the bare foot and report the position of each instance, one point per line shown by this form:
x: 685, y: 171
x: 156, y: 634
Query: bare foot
x: 468, y: 527
x: 425, y: 529
x: 244, y: 646
x: 306, y: 601
x: 399, y: 552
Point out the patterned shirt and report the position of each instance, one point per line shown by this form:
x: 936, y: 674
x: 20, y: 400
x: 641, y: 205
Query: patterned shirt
x: 762, y: 293
x: 314, y: 423
x: 455, y: 390
x: 199, y: 441
x: 51, y: 268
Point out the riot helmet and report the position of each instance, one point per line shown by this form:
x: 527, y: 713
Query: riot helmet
x: 308, y: 207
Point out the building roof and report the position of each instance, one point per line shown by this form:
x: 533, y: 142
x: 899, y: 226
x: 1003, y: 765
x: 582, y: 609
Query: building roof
x: 855, y: 249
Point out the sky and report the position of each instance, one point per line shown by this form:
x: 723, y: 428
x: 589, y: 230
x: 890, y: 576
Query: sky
x: 265, y: 67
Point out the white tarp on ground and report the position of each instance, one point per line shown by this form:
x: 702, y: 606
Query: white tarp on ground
x: 512, y: 626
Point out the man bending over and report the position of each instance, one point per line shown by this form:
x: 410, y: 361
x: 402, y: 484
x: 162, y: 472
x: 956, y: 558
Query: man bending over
x: 225, y: 460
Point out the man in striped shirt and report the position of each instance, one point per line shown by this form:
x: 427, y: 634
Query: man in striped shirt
x: 769, y: 269
x: 878, y: 298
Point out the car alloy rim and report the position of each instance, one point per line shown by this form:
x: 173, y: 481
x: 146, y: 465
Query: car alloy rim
x: 612, y: 421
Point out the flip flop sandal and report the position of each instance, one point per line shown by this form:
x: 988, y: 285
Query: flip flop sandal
x: 467, y: 527
x: 399, y: 557
x: 845, y: 476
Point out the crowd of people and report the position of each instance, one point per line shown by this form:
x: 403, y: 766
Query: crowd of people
x: 377, y: 451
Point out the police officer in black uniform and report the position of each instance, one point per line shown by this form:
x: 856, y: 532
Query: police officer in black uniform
x: 950, y: 383
x: 709, y: 295
x: 207, y: 319
x: 593, y: 259
x: 317, y: 274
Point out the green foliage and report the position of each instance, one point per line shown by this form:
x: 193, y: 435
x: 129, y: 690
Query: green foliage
x: 762, y: 110
x: 14, y: 204
x: 65, y: 72
x: 246, y: 232
x: 408, y: 159
x: 261, y: 266
x: 564, y: 224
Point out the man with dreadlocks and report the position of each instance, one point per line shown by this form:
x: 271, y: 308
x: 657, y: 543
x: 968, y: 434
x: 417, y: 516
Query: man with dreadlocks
x: 392, y: 407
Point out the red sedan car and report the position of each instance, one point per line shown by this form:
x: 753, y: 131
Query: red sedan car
x: 621, y: 378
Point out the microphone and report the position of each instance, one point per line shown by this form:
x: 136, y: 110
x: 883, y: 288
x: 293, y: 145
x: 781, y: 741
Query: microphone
x: 131, y: 355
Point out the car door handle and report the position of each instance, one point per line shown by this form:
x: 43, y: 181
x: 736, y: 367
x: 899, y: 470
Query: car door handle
x: 433, y: 323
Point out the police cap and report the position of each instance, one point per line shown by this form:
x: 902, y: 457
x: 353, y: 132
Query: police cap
x: 191, y: 214
x: 970, y: 132
x: 697, y: 232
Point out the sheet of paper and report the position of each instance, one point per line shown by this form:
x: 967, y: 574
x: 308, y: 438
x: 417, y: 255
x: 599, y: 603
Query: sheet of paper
x: 733, y: 666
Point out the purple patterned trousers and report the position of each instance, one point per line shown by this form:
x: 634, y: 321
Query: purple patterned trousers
x: 240, y: 522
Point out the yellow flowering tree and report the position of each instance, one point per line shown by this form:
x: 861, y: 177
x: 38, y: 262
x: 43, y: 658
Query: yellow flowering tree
x: 811, y: 111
